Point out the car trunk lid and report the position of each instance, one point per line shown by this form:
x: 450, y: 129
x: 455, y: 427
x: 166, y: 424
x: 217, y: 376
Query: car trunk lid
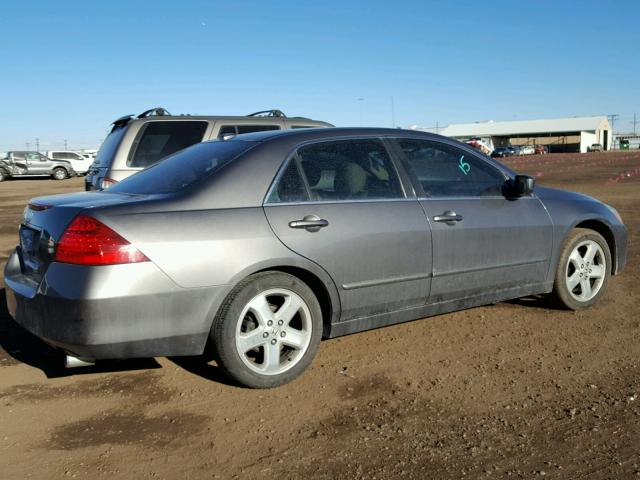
x: 45, y: 220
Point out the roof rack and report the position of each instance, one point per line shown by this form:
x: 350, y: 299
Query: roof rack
x: 268, y: 113
x: 158, y: 112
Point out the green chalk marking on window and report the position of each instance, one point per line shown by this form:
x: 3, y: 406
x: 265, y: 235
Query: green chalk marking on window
x: 464, y: 166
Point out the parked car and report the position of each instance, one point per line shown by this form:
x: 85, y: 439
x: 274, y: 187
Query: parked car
x: 79, y: 162
x: 136, y: 143
x: 515, y: 150
x: 256, y: 247
x: 595, y: 147
x: 480, y: 144
x: 501, y: 152
x: 527, y: 150
x: 540, y: 150
x: 29, y: 164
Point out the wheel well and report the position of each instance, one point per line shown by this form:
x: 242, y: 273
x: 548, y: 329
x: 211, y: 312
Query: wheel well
x: 603, y: 230
x: 315, y: 284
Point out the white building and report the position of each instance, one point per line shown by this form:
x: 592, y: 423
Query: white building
x: 558, y: 134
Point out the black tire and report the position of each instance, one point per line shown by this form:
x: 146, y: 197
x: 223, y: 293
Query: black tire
x: 59, y: 173
x: 227, y: 324
x: 562, y: 295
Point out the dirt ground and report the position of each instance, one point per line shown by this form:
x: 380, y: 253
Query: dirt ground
x: 514, y: 390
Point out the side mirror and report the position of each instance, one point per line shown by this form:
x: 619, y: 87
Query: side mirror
x: 522, y: 186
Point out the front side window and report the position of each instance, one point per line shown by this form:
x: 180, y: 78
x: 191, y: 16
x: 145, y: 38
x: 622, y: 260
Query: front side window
x: 447, y: 171
x: 157, y: 140
x: 36, y: 157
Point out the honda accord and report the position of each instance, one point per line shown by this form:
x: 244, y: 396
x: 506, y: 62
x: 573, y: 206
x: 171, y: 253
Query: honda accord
x: 257, y: 247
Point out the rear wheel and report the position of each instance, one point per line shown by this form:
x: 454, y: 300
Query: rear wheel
x: 59, y: 173
x: 583, y: 270
x: 267, y: 331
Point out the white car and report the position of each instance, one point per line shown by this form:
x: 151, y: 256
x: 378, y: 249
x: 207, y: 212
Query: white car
x: 79, y: 162
x: 527, y: 150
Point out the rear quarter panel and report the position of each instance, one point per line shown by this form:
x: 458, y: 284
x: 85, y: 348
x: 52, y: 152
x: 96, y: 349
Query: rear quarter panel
x: 206, y: 248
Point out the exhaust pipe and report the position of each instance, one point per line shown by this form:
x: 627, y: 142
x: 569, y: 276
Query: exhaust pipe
x: 74, y: 362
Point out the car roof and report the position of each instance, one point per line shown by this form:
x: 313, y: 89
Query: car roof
x: 336, y: 132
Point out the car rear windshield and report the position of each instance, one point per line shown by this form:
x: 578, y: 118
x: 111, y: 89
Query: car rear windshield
x: 183, y: 169
x: 159, y: 139
x: 107, y: 151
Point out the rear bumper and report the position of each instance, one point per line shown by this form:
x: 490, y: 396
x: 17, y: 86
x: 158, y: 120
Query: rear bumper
x: 121, y: 311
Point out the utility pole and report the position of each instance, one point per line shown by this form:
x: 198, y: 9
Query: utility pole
x: 634, y: 124
x: 437, y: 128
x: 65, y: 144
x: 612, y: 118
x: 37, y: 145
x: 28, y: 146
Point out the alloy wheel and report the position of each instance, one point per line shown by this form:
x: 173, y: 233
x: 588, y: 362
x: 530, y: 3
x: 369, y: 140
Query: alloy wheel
x: 274, y: 331
x: 585, y: 271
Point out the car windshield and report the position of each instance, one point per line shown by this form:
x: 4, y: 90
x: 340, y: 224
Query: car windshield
x: 183, y: 169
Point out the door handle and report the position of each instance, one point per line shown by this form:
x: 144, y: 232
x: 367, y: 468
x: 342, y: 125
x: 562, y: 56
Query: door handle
x: 449, y: 217
x: 311, y: 223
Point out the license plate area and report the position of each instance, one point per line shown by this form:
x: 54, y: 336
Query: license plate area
x: 29, y: 246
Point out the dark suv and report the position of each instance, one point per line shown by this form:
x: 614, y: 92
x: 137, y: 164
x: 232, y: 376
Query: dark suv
x: 136, y: 143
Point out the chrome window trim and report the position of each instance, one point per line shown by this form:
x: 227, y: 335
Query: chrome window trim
x: 325, y: 202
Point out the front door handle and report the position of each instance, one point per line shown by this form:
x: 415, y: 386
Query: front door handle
x: 449, y: 217
x: 311, y: 223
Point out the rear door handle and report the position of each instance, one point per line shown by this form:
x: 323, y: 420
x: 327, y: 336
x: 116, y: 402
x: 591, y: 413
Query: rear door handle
x: 311, y: 223
x: 449, y: 217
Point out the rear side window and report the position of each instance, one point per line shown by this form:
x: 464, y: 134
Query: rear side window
x: 357, y: 169
x: 446, y: 171
x: 290, y: 186
x: 183, y: 169
x: 157, y: 140
x: 226, y: 130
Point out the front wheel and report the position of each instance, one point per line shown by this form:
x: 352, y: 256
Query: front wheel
x: 3, y: 176
x: 267, y: 331
x: 59, y: 174
x: 583, y: 270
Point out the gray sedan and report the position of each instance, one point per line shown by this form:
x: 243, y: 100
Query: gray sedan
x: 255, y: 248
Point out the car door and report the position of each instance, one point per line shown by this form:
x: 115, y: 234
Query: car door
x: 37, y: 163
x: 341, y: 204
x: 483, y: 242
x: 19, y: 161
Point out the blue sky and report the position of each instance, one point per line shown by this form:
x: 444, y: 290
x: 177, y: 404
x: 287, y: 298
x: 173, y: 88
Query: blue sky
x: 72, y: 67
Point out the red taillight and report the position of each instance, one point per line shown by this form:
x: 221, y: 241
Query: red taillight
x: 87, y: 241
